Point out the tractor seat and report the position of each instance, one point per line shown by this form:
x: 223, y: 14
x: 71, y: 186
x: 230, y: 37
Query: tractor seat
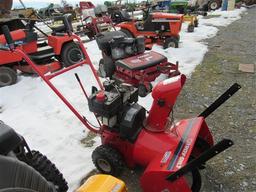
x: 31, y: 36
x: 16, y: 35
x: 9, y: 139
x: 24, y: 36
x: 65, y: 26
x: 142, y: 61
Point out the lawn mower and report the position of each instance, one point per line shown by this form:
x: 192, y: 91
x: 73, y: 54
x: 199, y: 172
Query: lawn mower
x: 160, y: 28
x: 125, y: 60
x: 57, y: 51
x: 180, y: 7
x: 98, y: 22
x: 93, y: 25
x: 26, y: 170
x: 171, y: 152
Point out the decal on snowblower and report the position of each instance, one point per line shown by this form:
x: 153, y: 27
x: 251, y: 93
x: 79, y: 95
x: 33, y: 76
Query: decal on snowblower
x: 183, y: 154
x: 179, y: 154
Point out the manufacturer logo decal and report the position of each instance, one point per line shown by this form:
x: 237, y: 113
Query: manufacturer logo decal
x: 165, y: 158
x: 183, y: 153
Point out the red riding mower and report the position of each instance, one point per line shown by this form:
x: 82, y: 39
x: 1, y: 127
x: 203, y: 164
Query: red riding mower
x: 171, y: 153
x: 125, y: 60
x: 58, y: 51
x: 160, y: 28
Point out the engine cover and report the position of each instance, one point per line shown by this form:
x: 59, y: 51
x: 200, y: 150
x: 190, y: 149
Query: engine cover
x: 132, y: 121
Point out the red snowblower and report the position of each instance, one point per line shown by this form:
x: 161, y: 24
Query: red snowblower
x: 125, y: 60
x: 171, y: 152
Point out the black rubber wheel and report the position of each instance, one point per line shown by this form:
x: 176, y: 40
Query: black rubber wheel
x: 128, y: 33
x: 47, y: 169
x: 194, y: 180
x: 171, y: 42
x: 191, y: 28
x: 71, y: 54
x: 8, y: 76
x: 108, y: 160
x: 196, y: 23
x: 142, y: 90
x: 214, y: 5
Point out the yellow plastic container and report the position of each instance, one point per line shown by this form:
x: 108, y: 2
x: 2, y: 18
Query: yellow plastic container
x: 103, y: 183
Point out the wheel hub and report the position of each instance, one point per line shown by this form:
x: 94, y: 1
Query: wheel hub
x: 5, y: 79
x: 75, y: 55
x: 171, y: 44
x: 214, y: 5
x: 104, y: 165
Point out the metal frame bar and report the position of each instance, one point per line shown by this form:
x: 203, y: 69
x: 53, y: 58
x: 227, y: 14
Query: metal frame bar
x: 47, y: 78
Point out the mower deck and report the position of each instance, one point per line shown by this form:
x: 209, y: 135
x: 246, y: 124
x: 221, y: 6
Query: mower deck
x: 142, y: 61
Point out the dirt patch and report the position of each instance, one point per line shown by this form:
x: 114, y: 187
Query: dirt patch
x: 88, y: 140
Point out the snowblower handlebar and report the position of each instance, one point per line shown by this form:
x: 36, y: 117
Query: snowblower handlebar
x: 48, y: 77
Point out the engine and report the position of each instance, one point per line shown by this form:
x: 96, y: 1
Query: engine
x: 117, y: 108
x: 117, y: 45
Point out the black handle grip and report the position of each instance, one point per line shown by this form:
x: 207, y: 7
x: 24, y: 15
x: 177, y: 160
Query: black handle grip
x: 7, y: 35
x: 77, y: 77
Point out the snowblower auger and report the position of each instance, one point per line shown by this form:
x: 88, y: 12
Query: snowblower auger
x: 11, y: 47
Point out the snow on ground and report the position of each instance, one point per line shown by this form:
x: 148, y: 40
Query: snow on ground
x: 34, y: 111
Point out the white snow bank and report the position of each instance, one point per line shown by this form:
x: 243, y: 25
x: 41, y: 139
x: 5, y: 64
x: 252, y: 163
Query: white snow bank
x: 35, y: 111
x: 225, y: 17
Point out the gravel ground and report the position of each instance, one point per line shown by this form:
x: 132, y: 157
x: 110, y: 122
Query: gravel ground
x: 234, y: 169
